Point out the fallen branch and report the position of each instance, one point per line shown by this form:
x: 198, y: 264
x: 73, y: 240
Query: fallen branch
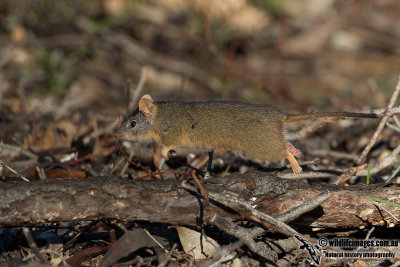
x: 165, y: 201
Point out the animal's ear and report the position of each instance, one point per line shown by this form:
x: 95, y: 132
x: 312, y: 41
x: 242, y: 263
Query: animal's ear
x: 147, y: 107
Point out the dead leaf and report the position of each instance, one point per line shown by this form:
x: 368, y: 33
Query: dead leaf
x: 191, y: 243
x: 84, y: 254
x: 128, y: 243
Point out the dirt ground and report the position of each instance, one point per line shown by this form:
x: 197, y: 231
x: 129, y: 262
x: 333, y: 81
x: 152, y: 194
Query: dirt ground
x: 72, y: 193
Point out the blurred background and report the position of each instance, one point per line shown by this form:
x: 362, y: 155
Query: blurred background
x: 65, y: 66
x: 68, y: 70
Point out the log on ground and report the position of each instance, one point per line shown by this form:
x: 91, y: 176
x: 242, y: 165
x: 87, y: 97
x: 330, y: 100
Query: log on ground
x: 165, y: 201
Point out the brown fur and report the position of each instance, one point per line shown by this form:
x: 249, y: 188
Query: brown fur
x: 255, y: 130
x: 207, y: 124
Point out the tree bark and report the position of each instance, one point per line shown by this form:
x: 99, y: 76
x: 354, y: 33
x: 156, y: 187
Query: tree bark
x: 165, y: 201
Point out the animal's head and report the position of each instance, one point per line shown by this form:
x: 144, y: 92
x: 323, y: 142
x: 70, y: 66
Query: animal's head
x: 137, y: 126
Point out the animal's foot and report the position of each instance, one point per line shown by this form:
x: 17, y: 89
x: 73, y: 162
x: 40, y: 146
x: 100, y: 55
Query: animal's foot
x: 297, y: 169
x: 293, y: 162
x: 294, y: 151
x: 164, y: 152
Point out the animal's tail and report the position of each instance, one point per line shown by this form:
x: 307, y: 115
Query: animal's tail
x: 307, y: 116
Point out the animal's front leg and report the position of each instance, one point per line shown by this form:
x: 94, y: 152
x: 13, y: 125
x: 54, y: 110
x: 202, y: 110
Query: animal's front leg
x: 165, y: 150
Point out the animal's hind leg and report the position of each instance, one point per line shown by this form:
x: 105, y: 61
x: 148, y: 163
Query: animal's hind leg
x: 294, y: 151
x: 293, y: 162
x: 291, y: 153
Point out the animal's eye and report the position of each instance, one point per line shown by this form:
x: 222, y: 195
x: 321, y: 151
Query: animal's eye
x: 132, y: 124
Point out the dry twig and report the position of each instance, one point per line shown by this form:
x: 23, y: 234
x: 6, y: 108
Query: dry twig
x: 307, y: 130
x: 305, y: 175
x: 19, y: 149
x: 203, y: 191
x: 2, y: 163
x: 137, y: 165
x: 135, y: 93
x: 266, y: 220
x: 381, y: 125
x: 352, y: 171
x: 382, y: 164
x: 227, y: 225
x: 303, y: 208
x: 167, y: 256
x: 33, y: 246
